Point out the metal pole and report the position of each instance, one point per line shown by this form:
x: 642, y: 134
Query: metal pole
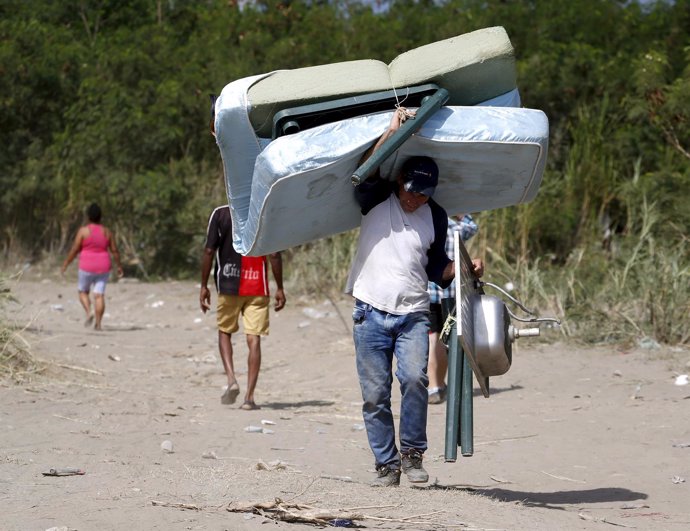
x: 455, y: 367
x: 429, y: 106
x: 466, y: 409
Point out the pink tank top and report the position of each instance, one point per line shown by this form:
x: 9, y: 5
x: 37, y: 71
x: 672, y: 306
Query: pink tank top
x: 94, y: 257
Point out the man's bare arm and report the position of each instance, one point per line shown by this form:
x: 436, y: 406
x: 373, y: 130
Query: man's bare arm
x: 276, y: 260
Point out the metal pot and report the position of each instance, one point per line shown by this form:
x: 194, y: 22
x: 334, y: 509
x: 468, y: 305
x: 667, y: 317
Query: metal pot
x: 493, y: 350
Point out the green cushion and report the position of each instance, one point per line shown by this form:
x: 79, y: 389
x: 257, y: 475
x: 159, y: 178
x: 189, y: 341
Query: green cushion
x: 473, y: 67
x: 290, y: 88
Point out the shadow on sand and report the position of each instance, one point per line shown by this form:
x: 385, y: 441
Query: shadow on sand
x: 549, y: 500
x: 122, y: 328
x: 295, y: 405
x: 497, y: 390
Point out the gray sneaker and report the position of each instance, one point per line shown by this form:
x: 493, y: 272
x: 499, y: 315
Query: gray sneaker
x: 386, y: 476
x: 412, y: 466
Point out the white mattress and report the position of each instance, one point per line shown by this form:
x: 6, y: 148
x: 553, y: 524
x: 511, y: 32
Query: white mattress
x: 299, y: 188
x: 296, y: 189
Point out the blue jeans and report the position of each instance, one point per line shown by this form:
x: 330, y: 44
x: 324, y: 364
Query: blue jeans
x: 378, y: 336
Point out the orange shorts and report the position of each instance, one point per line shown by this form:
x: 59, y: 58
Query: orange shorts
x: 254, y: 311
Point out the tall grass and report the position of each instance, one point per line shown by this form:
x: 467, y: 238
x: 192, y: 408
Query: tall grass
x: 16, y: 360
x: 640, y: 289
x: 321, y: 268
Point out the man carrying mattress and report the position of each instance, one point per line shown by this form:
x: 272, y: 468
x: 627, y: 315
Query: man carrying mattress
x: 401, y: 247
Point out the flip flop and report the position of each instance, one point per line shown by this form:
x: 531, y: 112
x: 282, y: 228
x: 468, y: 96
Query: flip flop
x: 249, y: 405
x: 230, y: 394
x: 89, y: 321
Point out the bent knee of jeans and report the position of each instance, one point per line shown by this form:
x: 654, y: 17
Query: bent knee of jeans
x: 376, y: 402
x: 413, y: 375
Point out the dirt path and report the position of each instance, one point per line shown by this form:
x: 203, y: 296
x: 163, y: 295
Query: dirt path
x: 570, y: 439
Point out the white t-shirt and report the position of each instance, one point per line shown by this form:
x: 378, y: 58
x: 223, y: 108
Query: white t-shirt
x: 388, y: 270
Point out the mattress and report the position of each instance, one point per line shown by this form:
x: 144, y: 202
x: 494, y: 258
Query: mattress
x: 488, y: 157
x: 296, y: 188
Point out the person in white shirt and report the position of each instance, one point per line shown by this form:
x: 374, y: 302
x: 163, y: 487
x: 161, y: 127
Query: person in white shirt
x: 401, y: 247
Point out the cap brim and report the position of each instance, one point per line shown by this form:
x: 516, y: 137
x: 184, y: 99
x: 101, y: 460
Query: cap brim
x: 410, y: 187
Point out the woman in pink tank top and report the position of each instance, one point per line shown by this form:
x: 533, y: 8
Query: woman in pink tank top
x: 94, y: 244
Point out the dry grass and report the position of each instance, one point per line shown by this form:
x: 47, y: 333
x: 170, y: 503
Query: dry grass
x: 639, y: 290
x: 321, y: 268
x: 17, y: 363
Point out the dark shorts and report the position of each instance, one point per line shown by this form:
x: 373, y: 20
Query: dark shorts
x: 438, y: 313
x: 436, y: 319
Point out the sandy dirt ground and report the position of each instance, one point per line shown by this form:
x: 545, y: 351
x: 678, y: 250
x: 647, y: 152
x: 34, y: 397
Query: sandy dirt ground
x: 571, y: 438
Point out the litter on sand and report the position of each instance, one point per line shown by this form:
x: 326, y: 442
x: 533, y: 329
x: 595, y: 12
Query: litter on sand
x: 64, y: 472
x: 257, y: 429
x: 341, y: 522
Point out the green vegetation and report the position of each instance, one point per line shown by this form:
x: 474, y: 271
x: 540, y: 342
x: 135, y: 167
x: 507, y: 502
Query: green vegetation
x: 107, y: 100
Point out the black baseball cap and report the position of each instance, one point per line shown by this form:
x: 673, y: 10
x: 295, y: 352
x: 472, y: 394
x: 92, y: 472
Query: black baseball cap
x: 420, y: 175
